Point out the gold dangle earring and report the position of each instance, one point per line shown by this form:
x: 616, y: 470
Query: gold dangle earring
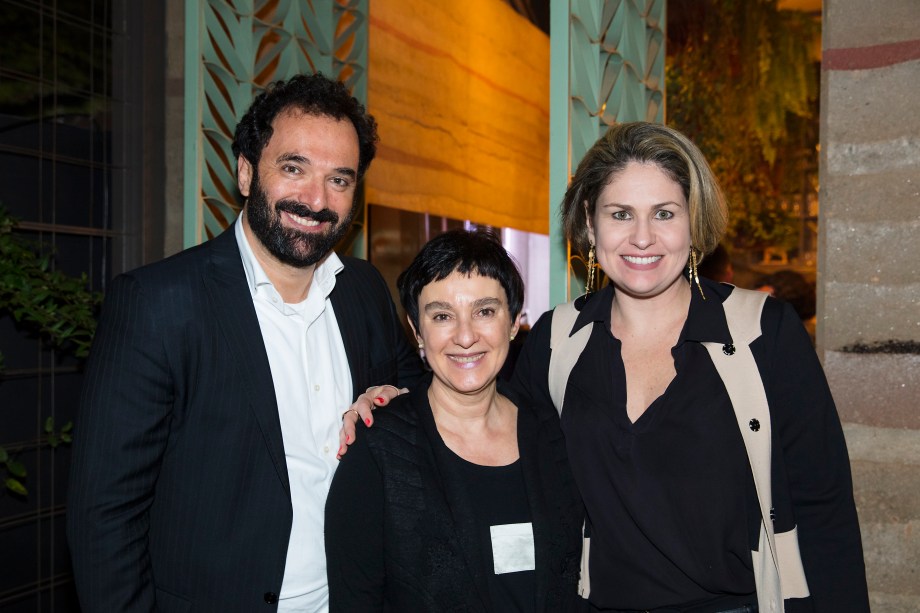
x: 694, y: 275
x: 589, y: 285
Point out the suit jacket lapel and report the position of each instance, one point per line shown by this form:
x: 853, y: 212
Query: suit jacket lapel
x: 344, y: 302
x: 231, y: 304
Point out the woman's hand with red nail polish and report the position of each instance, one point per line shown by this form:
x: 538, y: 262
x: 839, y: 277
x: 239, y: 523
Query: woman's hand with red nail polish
x: 373, y: 397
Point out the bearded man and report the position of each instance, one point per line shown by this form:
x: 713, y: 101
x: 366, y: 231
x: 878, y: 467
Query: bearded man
x: 209, y: 421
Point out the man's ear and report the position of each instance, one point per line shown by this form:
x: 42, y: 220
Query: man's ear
x: 243, y: 175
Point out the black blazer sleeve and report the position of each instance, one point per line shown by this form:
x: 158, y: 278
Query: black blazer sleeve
x: 124, y: 417
x: 531, y: 371
x: 813, y: 453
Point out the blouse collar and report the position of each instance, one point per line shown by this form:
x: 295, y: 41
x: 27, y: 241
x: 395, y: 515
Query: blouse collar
x: 705, y: 319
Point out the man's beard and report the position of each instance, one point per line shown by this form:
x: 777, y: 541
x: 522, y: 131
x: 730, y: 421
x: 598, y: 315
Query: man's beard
x: 289, y: 245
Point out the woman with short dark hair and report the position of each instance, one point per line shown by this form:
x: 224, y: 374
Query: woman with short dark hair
x: 459, y: 497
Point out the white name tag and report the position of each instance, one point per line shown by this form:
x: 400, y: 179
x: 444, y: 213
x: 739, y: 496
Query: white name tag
x: 512, y: 548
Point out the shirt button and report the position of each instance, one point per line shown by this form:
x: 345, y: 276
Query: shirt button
x: 754, y: 424
x: 326, y: 449
x: 316, y: 388
x: 270, y: 597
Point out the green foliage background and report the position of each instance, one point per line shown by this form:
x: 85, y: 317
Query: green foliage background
x: 46, y: 302
x: 743, y: 82
x: 57, y: 307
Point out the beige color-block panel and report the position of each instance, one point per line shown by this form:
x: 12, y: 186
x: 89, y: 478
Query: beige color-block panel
x: 884, y: 198
x: 861, y: 312
x: 877, y: 253
x: 862, y: 23
x: 462, y: 101
x: 875, y: 389
x: 873, y: 106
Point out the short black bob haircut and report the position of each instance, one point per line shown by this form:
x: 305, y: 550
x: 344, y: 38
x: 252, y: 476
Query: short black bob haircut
x: 467, y: 252
x: 313, y: 94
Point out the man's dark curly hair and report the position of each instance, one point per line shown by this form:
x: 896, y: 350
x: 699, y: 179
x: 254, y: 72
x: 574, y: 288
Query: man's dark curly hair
x: 314, y: 94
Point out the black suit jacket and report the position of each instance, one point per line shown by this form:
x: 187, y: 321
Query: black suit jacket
x: 179, y: 497
x: 400, y: 528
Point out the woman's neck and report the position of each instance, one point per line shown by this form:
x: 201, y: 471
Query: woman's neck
x: 451, y: 406
x: 630, y: 314
x: 480, y: 428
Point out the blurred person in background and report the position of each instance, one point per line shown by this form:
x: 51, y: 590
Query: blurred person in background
x: 792, y: 287
x: 717, y: 265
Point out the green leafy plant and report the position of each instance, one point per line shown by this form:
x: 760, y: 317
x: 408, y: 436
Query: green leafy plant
x: 57, y: 307
x: 55, y: 438
x: 44, y: 301
x: 16, y: 471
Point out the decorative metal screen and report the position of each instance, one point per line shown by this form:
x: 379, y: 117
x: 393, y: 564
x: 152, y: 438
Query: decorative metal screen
x: 617, y: 67
x: 234, y: 48
x: 608, y: 67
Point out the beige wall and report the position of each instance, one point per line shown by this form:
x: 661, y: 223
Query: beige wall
x: 869, y: 274
x: 462, y: 102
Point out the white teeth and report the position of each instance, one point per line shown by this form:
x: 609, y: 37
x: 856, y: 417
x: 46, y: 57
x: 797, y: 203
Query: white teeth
x: 303, y: 221
x: 644, y: 260
x: 466, y: 359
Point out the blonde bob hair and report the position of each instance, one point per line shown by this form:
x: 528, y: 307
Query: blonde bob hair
x: 647, y: 143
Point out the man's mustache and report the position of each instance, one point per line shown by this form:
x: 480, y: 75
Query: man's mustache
x: 301, y: 210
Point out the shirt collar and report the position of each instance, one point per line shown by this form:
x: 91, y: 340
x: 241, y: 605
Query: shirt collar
x: 705, y: 319
x: 323, y: 275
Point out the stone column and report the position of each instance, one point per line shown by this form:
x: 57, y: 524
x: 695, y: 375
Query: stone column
x: 869, y: 274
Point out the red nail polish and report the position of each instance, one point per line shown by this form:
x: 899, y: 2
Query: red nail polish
x: 367, y: 421
x: 346, y: 438
x: 379, y: 399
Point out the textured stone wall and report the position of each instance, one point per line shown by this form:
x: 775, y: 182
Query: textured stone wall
x: 462, y: 100
x: 869, y: 274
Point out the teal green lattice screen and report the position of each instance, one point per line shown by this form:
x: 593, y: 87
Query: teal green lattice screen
x: 233, y: 49
x: 607, y: 67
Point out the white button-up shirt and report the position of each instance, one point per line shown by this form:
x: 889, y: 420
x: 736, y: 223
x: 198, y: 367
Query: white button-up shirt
x: 313, y: 388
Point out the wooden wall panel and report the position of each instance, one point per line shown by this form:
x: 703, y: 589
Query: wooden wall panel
x: 461, y: 95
